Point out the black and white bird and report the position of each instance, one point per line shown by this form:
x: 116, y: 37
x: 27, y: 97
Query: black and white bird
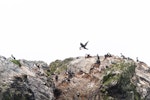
x: 83, y: 45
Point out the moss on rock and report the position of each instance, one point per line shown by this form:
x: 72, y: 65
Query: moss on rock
x: 117, y: 82
x: 17, y: 62
x: 58, y: 66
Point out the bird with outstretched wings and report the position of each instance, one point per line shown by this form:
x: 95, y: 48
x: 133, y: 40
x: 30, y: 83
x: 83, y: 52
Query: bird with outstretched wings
x: 83, y: 45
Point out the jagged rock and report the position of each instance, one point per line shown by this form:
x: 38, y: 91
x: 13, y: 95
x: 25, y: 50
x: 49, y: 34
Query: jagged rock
x: 142, y: 80
x: 26, y: 82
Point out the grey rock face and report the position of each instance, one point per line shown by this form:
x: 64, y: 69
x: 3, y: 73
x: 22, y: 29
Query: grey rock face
x: 28, y: 82
x: 40, y: 88
x: 142, y: 80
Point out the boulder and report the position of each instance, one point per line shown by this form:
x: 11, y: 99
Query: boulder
x: 26, y: 82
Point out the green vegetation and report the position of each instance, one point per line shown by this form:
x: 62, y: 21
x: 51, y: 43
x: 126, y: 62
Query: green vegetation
x: 117, y: 82
x: 17, y: 62
x: 58, y: 66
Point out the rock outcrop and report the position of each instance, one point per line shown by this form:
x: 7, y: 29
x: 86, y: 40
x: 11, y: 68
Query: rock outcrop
x: 81, y: 78
x: 142, y: 80
x: 24, y: 80
x: 115, y: 78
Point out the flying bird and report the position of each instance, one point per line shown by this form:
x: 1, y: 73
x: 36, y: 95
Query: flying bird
x: 84, y: 45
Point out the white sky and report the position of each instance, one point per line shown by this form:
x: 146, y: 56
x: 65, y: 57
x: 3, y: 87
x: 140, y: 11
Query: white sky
x: 53, y: 29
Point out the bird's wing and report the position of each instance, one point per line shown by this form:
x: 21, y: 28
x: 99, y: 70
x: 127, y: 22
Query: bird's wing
x: 86, y: 43
x: 81, y: 44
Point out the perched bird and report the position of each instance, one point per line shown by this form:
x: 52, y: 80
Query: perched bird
x: 13, y: 57
x: 123, y: 56
x: 98, y: 59
x: 137, y: 60
x: 97, y: 56
x: 84, y: 45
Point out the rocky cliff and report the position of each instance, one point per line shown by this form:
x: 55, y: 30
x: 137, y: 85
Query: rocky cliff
x: 106, y: 77
x: 113, y: 78
x: 24, y: 80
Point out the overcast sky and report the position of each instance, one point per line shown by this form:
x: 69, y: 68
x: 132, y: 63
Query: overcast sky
x: 53, y: 29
